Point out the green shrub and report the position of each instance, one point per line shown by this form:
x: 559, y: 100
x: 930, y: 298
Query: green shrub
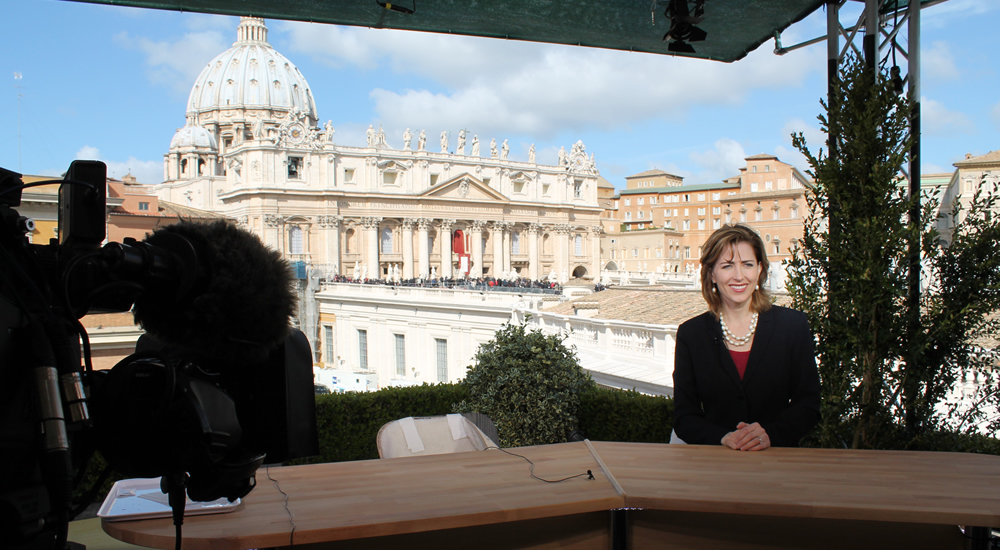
x: 529, y: 384
x: 616, y: 415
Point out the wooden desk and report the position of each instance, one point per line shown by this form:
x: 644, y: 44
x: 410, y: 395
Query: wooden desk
x: 690, y: 496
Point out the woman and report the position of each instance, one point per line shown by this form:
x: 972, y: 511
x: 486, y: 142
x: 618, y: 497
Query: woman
x: 745, y: 372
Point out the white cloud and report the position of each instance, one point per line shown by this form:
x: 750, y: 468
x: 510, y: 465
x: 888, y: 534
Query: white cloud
x: 949, y: 14
x: 175, y: 65
x: 938, y: 63
x: 724, y: 160
x: 497, y: 87
x: 815, y: 140
x: 145, y: 171
x: 938, y: 120
x: 995, y: 114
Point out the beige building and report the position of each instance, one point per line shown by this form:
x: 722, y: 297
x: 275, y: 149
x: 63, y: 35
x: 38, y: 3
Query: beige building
x: 414, y: 206
x: 969, y: 177
x: 662, y: 228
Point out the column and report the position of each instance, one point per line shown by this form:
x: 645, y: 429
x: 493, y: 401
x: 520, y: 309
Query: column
x: 424, y: 266
x: 496, y: 234
x: 477, y: 248
x: 371, y: 244
x: 408, y: 224
x: 444, y: 229
x: 272, y: 232
x: 562, y: 252
x: 595, y: 250
x: 533, y: 231
x: 508, y: 228
x: 332, y: 226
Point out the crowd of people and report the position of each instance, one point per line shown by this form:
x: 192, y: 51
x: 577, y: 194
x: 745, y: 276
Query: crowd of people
x: 476, y: 283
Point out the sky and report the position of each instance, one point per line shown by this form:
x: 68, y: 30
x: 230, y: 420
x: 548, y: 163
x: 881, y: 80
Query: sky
x: 111, y: 83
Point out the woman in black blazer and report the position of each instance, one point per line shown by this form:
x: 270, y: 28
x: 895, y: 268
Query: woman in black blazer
x: 745, y: 371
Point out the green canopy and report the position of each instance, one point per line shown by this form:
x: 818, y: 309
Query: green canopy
x: 734, y: 27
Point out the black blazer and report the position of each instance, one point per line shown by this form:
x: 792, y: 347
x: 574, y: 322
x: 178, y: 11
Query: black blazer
x: 779, y: 389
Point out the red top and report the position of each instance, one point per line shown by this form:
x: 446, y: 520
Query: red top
x: 740, y: 358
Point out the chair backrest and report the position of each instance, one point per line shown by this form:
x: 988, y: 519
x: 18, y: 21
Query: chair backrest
x: 429, y: 435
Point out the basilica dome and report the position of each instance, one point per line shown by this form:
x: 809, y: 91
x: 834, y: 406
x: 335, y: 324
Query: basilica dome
x: 194, y: 136
x: 251, y: 75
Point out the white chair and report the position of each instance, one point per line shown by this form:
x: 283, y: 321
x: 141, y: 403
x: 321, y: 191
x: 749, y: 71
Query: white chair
x: 430, y: 435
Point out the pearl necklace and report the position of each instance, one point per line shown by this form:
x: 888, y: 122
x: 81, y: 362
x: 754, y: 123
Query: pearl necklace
x: 741, y: 340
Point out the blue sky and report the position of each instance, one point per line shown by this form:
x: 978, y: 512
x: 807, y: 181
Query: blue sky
x: 111, y: 83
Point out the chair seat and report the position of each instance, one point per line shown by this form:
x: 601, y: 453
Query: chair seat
x: 429, y: 435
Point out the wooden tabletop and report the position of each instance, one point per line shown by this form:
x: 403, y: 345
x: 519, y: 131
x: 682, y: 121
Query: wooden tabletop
x: 348, y: 500
x: 897, y: 486
x: 351, y: 500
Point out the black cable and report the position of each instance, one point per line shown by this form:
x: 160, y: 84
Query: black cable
x: 291, y: 520
x: 531, y: 471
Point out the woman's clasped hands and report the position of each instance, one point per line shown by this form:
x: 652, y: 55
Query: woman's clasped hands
x: 747, y: 437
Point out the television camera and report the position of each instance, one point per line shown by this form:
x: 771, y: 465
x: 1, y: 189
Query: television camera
x: 218, y: 384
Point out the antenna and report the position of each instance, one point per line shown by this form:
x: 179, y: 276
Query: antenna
x: 17, y: 76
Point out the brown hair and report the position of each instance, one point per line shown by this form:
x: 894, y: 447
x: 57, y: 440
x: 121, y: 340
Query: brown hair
x: 717, y: 244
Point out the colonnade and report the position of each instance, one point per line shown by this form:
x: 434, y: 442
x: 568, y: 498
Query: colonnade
x: 560, y: 257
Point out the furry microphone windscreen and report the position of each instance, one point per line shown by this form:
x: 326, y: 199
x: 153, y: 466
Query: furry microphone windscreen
x: 241, y: 303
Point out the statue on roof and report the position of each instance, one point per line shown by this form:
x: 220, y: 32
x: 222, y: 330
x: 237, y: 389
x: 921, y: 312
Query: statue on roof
x: 531, y: 154
x: 371, y: 135
x: 493, y: 148
x: 407, y: 137
x: 460, y: 148
x: 422, y: 141
x: 504, y: 150
x: 475, y: 146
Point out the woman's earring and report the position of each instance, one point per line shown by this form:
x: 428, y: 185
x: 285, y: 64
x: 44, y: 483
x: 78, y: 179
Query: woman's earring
x: 713, y: 289
x: 756, y: 287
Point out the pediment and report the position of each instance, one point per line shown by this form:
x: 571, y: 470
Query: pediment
x: 464, y: 187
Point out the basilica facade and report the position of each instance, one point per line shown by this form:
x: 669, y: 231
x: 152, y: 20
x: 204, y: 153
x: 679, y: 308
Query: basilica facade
x: 254, y: 150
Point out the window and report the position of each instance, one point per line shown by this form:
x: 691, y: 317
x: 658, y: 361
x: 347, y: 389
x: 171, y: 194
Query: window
x: 701, y: 211
x: 386, y: 241
x: 349, y: 175
x: 754, y: 169
x: 635, y: 252
x: 743, y: 215
x: 729, y: 217
x: 545, y: 191
x: 794, y: 212
x: 687, y: 225
x: 578, y: 245
x: 515, y: 242
x: 687, y: 198
x: 701, y: 197
x: 716, y: 196
x: 641, y: 201
x: 758, y: 215
x: 716, y: 223
x: 441, y: 346
x: 295, y: 240
x: 767, y: 167
x: 687, y: 252
x: 363, y: 349
x: 641, y: 226
x: 389, y: 178
x: 328, y: 343
x: 701, y: 224
x: 628, y: 216
x: 294, y: 168
x: 400, y: 355
x: 717, y: 210
x: 577, y: 189
x: 652, y: 200
x: 642, y: 214
x: 753, y: 187
x: 768, y: 185
x: 143, y: 206
x: 687, y: 211
x: 628, y: 202
x: 659, y: 253
x: 434, y: 179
